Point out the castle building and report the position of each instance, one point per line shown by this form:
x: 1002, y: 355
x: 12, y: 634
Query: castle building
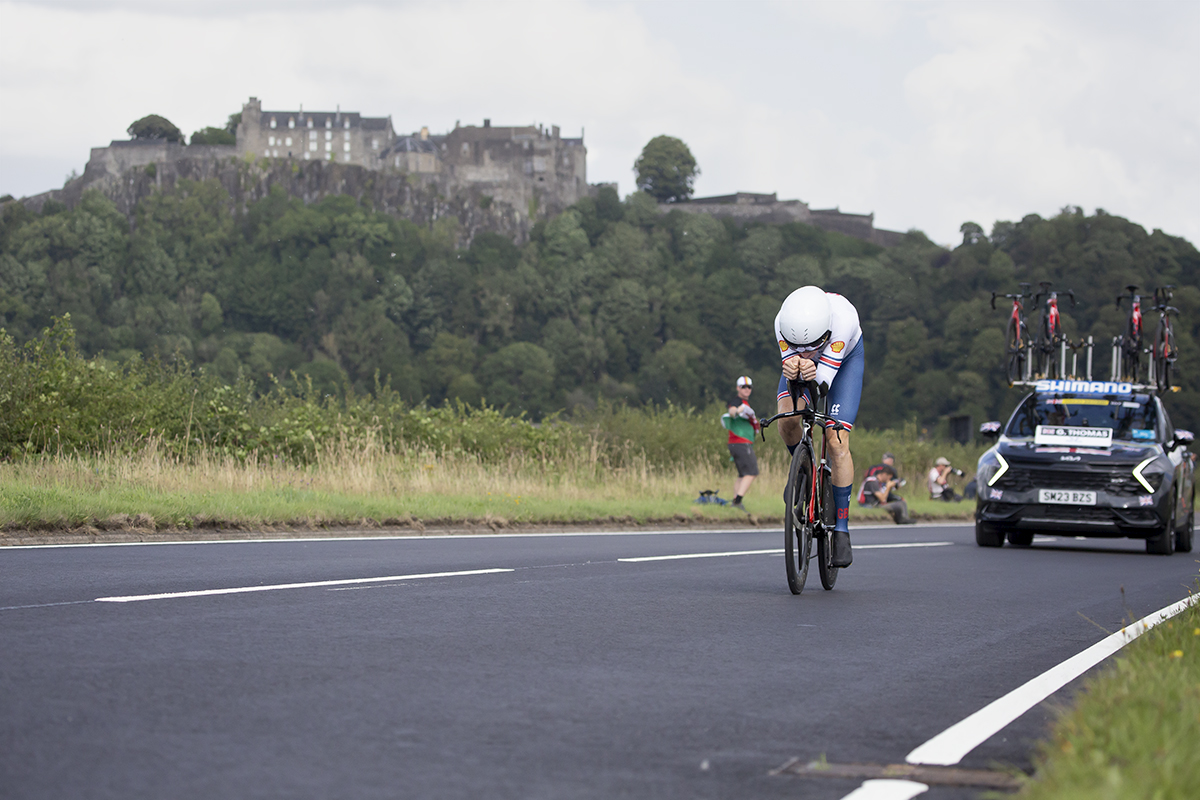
x: 489, y: 177
x: 348, y: 138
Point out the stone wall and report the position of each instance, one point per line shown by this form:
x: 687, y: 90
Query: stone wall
x: 767, y: 208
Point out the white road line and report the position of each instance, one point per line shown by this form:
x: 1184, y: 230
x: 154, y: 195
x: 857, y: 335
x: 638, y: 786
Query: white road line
x: 133, y: 598
x: 887, y: 789
x: 703, y: 555
x: 777, y: 551
x: 951, y: 745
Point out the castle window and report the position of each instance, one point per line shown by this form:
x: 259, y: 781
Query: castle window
x: 346, y: 147
x: 466, y: 148
x: 312, y: 145
x: 291, y: 122
x: 374, y: 144
x: 288, y: 141
x: 310, y: 122
x: 346, y: 157
x: 328, y: 147
x: 329, y: 156
x: 271, y: 140
x: 328, y: 136
x: 328, y: 122
x: 272, y: 123
x: 397, y: 161
x: 347, y: 124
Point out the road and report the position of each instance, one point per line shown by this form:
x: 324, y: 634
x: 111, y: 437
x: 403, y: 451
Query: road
x: 571, y: 673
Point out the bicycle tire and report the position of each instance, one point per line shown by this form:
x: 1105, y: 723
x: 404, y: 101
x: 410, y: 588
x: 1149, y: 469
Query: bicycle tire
x: 1130, y: 363
x: 825, y: 567
x: 1014, y: 360
x: 1164, y: 357
x: 797, y: 530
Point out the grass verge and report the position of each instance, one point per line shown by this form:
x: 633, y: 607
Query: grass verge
x: 363, y: 485
x: 1134, y: 729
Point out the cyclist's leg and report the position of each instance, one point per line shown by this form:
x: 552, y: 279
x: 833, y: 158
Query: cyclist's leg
x: 844, y: 397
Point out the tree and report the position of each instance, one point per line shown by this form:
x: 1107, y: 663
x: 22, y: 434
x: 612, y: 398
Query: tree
x: 666, y: 169
x: 155, y: 127
x: 211, y: 135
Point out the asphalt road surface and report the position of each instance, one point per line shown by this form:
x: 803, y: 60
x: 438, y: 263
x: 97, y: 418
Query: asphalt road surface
x: 570, y: 672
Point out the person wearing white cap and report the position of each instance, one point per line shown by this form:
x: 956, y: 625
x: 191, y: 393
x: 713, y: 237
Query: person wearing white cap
x: 742, y: 424
x: 939, y: 489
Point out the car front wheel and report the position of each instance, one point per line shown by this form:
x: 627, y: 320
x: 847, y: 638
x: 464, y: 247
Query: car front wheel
x: 988, y: 535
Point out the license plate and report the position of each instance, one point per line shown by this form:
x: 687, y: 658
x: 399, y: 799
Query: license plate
x: 1066, y: 497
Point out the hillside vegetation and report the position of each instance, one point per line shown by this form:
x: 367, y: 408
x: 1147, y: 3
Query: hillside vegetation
x: 609, y: 301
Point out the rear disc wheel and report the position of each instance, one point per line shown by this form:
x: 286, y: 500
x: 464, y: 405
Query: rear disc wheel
x: 825, y: 567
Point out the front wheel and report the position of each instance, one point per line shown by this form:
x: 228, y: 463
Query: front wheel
x: 1164, y: 357
x: 1014, y: 354
x: 1183, y: 536
x: 797, y: 528
x: 987, y: 535
x: 1162, y: 543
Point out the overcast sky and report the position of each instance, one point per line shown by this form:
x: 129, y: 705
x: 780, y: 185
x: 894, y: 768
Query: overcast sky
x: 928, y: 114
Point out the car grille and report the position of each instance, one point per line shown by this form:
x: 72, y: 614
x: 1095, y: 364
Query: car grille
x: 1117, y: 481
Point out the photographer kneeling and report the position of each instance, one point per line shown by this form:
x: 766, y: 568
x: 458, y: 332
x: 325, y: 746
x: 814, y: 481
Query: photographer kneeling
x: 939, y: 488
x: 876, y: 491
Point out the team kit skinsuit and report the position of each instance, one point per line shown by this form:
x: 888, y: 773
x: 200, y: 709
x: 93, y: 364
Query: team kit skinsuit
x: 827, y: 327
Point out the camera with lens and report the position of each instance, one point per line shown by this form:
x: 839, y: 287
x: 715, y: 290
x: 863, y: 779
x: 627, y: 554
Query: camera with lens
x: 957, y: 471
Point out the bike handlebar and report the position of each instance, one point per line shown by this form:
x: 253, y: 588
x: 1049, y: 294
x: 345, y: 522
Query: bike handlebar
x: 815, y: 390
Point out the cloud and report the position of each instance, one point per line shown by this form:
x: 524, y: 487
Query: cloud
x: 927, y: 114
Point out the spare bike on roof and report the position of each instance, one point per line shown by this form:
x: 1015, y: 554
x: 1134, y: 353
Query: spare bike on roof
x: 1051, y: 342
x: 1017, y: 363
x: 1162, y: 360
x: 1129, y: 343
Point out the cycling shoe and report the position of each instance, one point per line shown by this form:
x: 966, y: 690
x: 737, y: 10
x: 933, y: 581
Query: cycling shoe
x: 842, y: 557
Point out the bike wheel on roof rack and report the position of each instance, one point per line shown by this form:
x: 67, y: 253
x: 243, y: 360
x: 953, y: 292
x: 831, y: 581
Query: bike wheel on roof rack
x: 1014, y: 354
x: 1164, y: 356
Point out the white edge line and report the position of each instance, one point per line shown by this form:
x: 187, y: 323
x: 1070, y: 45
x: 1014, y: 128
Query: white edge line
x: 776, y: 551
x: 133, y: 598
x: 702, y: 555
x: 887, y: 789
x: 951, y: 745
x: 404, y: 537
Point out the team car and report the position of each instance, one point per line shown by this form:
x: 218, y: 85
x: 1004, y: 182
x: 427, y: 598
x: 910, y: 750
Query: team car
x: 1089, y: 459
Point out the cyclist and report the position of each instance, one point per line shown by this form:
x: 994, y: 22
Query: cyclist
x: 820, y: 339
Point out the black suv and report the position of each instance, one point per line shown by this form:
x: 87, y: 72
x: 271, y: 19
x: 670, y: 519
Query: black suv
x: 1089, y: 459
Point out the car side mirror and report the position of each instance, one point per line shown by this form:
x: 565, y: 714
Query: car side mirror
x: 1182, y: 438
x: 990, y: 430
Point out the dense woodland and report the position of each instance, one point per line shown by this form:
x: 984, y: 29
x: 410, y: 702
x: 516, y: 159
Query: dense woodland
x: 609, y: 301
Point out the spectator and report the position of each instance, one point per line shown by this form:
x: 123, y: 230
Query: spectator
x: 939, y: 488
x: 877, y: 490
x: 742, y: 424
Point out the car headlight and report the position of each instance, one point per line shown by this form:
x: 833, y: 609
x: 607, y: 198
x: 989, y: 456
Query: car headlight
x: 1150, y: 473
x: 991, y: 466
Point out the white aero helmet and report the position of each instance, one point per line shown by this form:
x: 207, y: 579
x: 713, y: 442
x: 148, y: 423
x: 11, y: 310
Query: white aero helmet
x: 804, y: 318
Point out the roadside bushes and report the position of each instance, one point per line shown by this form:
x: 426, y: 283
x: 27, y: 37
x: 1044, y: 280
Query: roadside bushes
x: 52, y: 400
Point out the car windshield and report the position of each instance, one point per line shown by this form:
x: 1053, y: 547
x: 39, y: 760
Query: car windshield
x: 1131, y: 418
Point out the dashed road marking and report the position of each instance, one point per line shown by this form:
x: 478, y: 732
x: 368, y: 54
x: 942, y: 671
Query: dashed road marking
x: 133, y: 598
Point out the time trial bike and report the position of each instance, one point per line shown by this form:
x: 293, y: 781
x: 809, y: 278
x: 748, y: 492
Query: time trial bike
x: 1130, y: 342
x: 1016, y: 339
x: 1050, y: 332
x: 809, y: 511
x: 1163, y: 358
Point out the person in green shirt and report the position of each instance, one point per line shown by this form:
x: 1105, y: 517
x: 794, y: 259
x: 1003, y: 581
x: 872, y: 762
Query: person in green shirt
x: 742, y: 424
